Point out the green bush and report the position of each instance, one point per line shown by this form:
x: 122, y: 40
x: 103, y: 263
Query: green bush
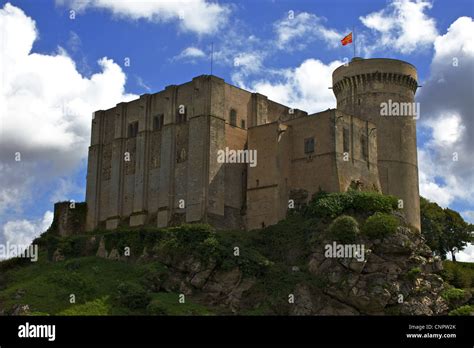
x: 380, y: 225
x: 157, y: 308
x: 458, y: 274
x: 330, y: 205
x: 453, y: 295
x: 95, y: 307
x: 464, y: 310
x: 372, y: 202
x: 334, y: 204
x: 344, y: 229
x: 414, y: 273
x: 132, y: 296
x: 71, y: 282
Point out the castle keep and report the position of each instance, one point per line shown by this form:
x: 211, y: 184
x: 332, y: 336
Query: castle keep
x: 155, y: 160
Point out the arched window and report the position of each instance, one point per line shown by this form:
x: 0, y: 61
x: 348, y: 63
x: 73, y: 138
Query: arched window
x: 133, y: 129
x: 233, y: 117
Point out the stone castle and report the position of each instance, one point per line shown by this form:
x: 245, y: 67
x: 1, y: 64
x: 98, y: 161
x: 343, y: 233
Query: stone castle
x: 155, y: 160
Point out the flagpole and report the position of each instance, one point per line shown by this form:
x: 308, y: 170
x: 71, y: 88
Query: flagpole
x: 354, y: 40
x: 212, y: 54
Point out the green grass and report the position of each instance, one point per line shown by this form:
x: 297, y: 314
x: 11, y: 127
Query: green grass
x: 48, y: 285
x: 266, y: 257
x: 168, y: 304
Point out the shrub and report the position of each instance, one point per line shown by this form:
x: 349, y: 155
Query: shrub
x: 413, y: 273
x: 330, y: 205
x: 453, y: 295
x: 132, y: 296
x: 458, y: 274
x: 157, y: 308
x: 95, y: 307
x: 365, y: 202
x: 344, y: 229
x: 380, y: 225
x: 72, y: 282
x: 334, y: 204
x: 464, y: 310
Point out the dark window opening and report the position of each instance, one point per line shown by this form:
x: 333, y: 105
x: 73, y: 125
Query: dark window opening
x: 242, y: 124
x: 363, y: 146
x: 309, y: 145
x: 133, y: 129
x: 233, y: 117
x: 181, y: 116
x: 158, y: 122
x: 345, y: 140
x: 258, y: 182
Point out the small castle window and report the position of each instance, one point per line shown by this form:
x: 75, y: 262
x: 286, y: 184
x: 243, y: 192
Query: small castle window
x: 242, y: 124
x: 133, y: 129
x: 233, y: 117
x: 309, y: 145
x: 181, y: 116
x: 363, y: 146
x: 358, y: 101
x: 345, y: 139
x: 158, y: 122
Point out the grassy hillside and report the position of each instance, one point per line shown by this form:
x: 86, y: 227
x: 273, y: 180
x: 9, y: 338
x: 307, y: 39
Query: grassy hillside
x: 195, y: 270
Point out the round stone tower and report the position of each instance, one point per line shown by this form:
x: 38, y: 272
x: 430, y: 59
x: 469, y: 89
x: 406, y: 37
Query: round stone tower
x: 382, y: 91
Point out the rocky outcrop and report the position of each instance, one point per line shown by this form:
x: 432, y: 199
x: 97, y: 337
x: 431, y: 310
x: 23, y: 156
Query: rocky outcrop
x: 394, y: 277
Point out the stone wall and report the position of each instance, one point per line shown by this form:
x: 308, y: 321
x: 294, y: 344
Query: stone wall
x: 171, y: 174
x: 69, y: 218
x: 360, y: 88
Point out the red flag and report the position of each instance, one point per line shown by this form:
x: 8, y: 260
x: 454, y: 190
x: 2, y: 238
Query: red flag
x: 347, y: 39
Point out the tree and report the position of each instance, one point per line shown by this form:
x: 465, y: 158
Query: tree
x: 457, y: 232
x: 444, y: 229
x: 432, y: 216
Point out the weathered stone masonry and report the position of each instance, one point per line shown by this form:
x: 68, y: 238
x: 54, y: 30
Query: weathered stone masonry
x: 153, y: 161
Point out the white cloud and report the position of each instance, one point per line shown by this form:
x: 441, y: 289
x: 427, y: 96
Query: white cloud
x: 190, y: 53
x: 45, y: 113
x: 304, y: 87
x: 297, y: 31
x: 466, y: 255
x: 142, y: 84
x: 22, y: 232
x: 199, y: 16
x: 74, y: 42
x: 446, y: 111
x: 402, y: 26
x: 429, y: 188
x: 447, y: 129
x: 468, y: 216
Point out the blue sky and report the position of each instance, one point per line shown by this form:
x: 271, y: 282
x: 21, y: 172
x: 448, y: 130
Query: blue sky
x: 284, y: 49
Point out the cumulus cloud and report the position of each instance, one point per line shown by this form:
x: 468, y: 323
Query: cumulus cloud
x: 465, y: 255
x: 45, y: 107
x: 296, y: 31
x: 403, y: 26
x: 304, y: 87
x: 446, y: 112
x: 199, y: 16
x: 22, y: 232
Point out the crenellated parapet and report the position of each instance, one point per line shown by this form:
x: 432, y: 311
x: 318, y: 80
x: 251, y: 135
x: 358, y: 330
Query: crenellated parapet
x: 364, y: 81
